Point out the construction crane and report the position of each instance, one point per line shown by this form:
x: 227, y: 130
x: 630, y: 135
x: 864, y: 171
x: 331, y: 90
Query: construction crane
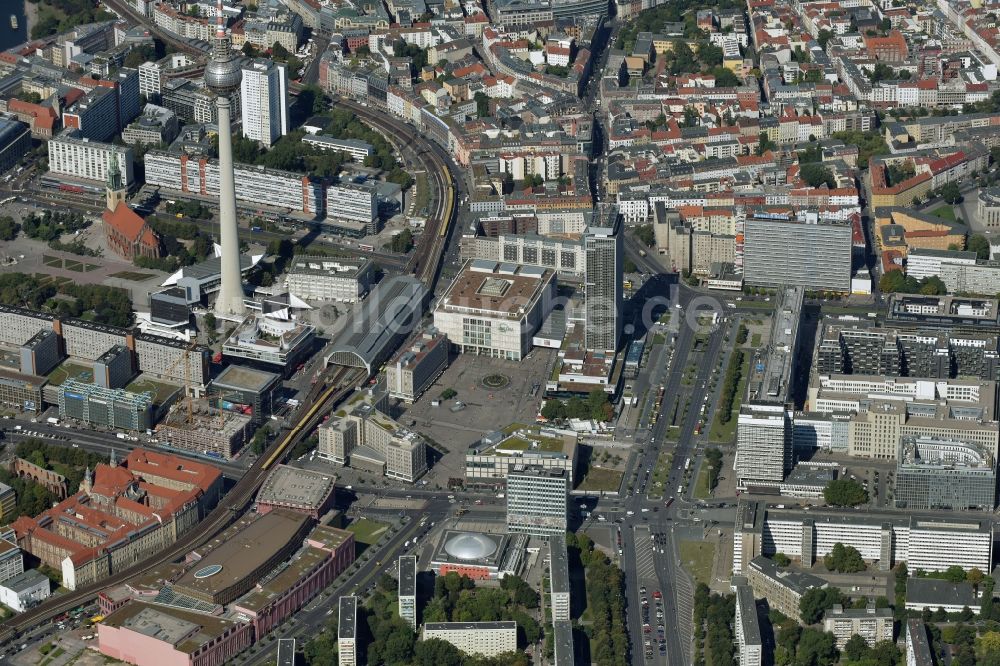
x: 187, y: 376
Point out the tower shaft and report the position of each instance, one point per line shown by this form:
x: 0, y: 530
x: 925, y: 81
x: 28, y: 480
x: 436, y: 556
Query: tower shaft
x: 230, y: 299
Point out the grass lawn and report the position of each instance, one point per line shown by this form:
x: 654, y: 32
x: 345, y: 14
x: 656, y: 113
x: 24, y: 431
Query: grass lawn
x: 367, y: 531
x: 68, y: 371
x: 697, y: 558
x: 701, y: 490
x: 755, y: 340
x: 601, y: 478
x: 132, y: 275
x: 160, y: 391
x: 725, y: 432
x: 49, y: 260
x: 661, y: 471
x: 421, y: 193
x: 945, y: 212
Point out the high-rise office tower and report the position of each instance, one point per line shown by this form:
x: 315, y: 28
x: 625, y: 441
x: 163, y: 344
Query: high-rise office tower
x: 222, y: 76
x: 603, y: 282
x: 537, y: 500
x: 264, y: 101
x: 763, y: 445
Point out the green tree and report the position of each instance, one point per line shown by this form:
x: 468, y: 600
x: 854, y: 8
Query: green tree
x: 823, y: 38
x: 817, y: 601
x: 709, y: 54
x: 8, y: 228
x: 951, y: 193
x: 978, y: 244
x: 845, y: 492
x: 844, y: 559
x: 781, y: 559
x: 401, y: 242
x: 645, y: 234
x: 856, y: 648
x: 816, y: 174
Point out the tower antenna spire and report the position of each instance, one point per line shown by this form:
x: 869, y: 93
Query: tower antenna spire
x: 220, y: 20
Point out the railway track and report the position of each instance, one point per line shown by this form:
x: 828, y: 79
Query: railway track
x: 335, y: 389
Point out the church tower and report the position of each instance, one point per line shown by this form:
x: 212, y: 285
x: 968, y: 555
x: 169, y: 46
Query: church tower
x: 88, y: 481
x: 114, y: 189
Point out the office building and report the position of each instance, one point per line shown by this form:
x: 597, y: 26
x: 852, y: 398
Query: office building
x: 218, y: 433
x: 96, y: 405
x: 156, y: 125
x: 11, y: 558
x: 962, y: 312
x: 415, y: 367
x: 347, y: 632
x: 15, y: 142
x: 21, y: 392
x: 25, y: 590
x: 113, y: 368
x: 749, y: 646
x: 364, y: 436
x: 814, y: 253
x: 783, y: 588
x: 273, y: 343
x: 488, y: 639
x: 872, y: 624
x: 245, y: 390
x: 72, y: 155
x: 944, y: 474
x: 255, y: 186
x: 772, y: 379
x: 918, y: 648
x: 927, y: 262
x: 496, y: 454
x: 191, y: 103
x: 408, y: 590
x: 559, y: 584
x: 344, y: 279
x: 763, y: 445
x: 264, y: 99
x: 8, y: 502
x: 931, y: 542
x: 537, y: 500
x: 107, y: 527
x: 603, y: 283
x: 493, y: 309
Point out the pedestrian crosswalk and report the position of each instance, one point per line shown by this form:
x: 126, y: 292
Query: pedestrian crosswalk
x: 645, y: 569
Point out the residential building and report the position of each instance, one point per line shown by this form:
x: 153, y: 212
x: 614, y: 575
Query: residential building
x: 264, y: 99
x: 353, y: 203
x: 559, y: 584
x: 72, y: 155
x: 41, y: 353
x: 416, y: 366
x: 783, y: 588
x: 918, y: 648
x: 537, y: 500
x: 944, y: 474
x: 749, y: 646
x: 95, y: 115
x: 347, y: 632
x: 345, y: 279
x: 156, y: 125
x: 603, y: 283
x: 358, y: 150
x: 931, y: 542
x: 488, y: 639
x: 812, y: 253
x: 493, y: 309
x: 408, y: 590
x: 256, y: 186
x: 872, y: 624
x: 763, y: 444
x: 151, y: 80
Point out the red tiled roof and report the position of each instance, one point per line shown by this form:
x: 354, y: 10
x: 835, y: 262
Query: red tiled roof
x: 125, y: 221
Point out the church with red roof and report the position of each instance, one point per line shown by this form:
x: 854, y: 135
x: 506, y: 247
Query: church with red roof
x: 125, y: 232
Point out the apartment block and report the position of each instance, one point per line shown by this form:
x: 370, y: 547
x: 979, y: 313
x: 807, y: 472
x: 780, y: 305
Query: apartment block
x: 488, y: 639
x: 71, y: 154
x: 749, y: 646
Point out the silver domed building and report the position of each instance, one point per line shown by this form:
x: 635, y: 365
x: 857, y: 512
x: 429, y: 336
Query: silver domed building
x: 479, y: 556
x: 223, y: 74
x: 470, y: 546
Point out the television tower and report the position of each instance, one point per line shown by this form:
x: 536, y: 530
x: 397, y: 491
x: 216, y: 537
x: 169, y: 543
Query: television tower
x: 222, y: 75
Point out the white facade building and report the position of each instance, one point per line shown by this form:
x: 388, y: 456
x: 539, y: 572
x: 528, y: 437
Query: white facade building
x: 488, y: 639
x: 264, y: 100
x: 71, y: 155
